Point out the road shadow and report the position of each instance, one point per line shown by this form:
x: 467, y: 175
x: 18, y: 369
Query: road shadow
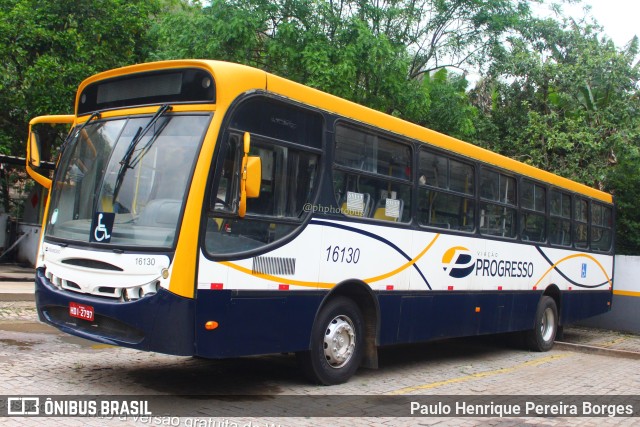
x: 272, y: 374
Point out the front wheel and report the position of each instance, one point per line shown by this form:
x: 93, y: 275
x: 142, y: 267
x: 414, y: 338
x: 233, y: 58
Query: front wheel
x: 542, y: 336
x: 336, y: 343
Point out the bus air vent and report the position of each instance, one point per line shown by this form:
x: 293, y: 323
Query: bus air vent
x: 274, y: 265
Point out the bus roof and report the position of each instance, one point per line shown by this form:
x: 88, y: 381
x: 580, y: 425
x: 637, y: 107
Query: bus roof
x: 257, y: 79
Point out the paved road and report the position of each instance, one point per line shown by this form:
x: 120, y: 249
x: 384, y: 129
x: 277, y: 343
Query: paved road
x: 38, y: 360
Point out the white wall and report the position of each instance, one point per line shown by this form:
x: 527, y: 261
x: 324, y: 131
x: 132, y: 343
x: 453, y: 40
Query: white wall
x: 625, y: 306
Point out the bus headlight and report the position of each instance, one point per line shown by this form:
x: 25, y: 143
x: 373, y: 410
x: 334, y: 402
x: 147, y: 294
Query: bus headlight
x: 136, y: 292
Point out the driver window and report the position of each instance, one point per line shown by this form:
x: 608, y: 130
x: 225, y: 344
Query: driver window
x: 287, y: 185
x: 226, y: 198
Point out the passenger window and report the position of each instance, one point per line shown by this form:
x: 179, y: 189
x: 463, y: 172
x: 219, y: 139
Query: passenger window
x: 497, y: 218
x: 368, y: 152
x: 601, y: 227
x: 461, y: 178
x: 497, y: 187
x: 445, y: 194
x: 560, y: 218
x: 581, y: 217
x: 369, y: 197
x: 372, y: 175
x: 433, y: 170
x: 532, y: 216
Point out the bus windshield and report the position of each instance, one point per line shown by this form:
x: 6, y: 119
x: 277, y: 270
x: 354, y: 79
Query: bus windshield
x: 123, y: 182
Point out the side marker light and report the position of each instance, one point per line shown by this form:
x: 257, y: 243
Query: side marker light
x: 211, y: 325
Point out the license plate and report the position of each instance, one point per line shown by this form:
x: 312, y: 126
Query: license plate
x: 81, y: 311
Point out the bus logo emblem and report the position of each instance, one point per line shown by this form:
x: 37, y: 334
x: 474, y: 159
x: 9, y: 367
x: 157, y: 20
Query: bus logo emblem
x: 458, y: 262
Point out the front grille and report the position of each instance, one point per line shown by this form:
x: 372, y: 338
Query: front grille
x: 68, y: 285
x: 130, y: 293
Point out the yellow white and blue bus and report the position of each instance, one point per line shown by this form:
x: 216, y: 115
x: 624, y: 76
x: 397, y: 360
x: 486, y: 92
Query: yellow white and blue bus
x: 212, y: 209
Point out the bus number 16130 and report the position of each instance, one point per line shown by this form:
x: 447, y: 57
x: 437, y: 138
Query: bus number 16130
x: 343, y: 254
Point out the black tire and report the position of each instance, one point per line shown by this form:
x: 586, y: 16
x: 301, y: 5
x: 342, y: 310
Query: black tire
x: 543, y: 334
x: 339, y: 322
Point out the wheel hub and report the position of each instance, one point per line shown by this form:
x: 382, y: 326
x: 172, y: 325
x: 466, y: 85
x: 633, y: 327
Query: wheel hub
x: 547, y: 326
x: 339, y: 341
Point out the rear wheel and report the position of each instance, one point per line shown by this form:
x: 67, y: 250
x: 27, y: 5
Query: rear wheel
x: 336, y: 343
x: 542, y: 336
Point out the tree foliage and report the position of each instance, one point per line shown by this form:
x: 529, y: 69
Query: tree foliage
x: 554, y: 93
x: 569, y: 102
x: 48, y: 47
x: 377, y: 53
x: 563, y: 98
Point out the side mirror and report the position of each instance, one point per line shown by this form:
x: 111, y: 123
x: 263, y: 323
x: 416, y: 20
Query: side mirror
x: 34, y: 148
x: 251, y: 176
x: 254, y: 176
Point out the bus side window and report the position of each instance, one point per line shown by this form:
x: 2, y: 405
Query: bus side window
x: 372, y: 175
x: 445, y: 193
x: 497, y: 211
x: 601, y: 227
x: 560, y: 218
x: 580, y: 229
x: 532, y: 216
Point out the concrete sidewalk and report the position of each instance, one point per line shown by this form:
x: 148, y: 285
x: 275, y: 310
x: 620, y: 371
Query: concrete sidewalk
x: 16, y: 282
x: 600, y: 341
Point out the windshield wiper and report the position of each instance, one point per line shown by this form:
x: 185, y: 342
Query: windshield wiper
x: 126, y: 162
x: 77, y: 133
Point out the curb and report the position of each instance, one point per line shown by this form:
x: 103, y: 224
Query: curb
x: 17, y: 297
x: 602, y: 351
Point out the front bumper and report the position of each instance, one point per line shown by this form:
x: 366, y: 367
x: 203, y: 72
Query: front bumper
x: 162, y: 323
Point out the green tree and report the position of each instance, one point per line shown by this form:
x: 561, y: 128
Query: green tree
x: 48, y: 47
x: 378, y: 53
x: 451, y: 111
x: 624, y: 181
x: 564, y: 98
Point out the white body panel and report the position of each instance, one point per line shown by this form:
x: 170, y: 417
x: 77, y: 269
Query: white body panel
x: 137, y: 269
x: 387, y: 258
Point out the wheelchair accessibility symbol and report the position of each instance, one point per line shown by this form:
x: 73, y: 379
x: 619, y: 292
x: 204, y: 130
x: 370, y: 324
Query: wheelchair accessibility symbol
x: 101, y: 227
